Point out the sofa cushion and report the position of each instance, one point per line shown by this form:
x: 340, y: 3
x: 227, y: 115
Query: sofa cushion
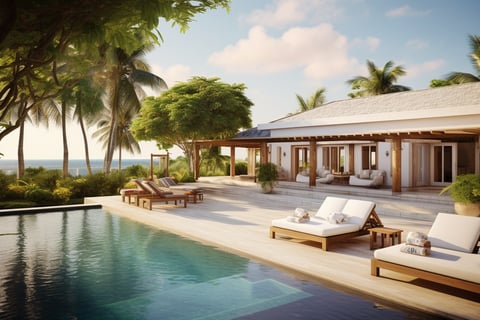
x: 364, y: 174
x: 455, y: 232
x: 375, y: 173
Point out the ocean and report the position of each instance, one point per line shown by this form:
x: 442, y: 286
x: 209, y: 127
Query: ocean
x: 76, y: 167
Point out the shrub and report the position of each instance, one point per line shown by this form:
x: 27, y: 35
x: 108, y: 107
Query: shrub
x: 135, y: 171
x: 45, y: 179
x: 5, y: 181
x: 39, y: 195
x: 15, y: 191
x: 62, y: 194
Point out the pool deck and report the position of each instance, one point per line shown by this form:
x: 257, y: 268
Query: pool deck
x: 235, y: 216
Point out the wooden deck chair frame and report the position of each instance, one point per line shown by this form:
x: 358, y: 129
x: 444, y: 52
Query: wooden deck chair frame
x: 373, y: 220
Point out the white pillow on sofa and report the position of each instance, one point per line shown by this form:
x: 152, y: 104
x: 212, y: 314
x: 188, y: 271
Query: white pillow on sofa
x: 455, y: 232
x: 365, y: 174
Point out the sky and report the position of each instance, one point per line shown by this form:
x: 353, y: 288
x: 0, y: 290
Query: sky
x: 281, y: 48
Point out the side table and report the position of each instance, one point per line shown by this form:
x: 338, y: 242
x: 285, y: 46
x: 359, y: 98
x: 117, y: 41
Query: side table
x: 385, y: 233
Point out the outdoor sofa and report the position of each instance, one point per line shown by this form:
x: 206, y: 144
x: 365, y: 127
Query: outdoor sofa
x: 323, y: 176
x: 360, y: 215
x: 368, y: 178
x: 453, y: 259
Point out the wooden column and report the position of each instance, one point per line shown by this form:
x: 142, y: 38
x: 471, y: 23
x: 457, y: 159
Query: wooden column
x: 196, y: 160
x: 263, y: 152
x: 351, y: 158
x: 313, y: 163
x: 251, y: 161
x: 397, y: 165
x: 232, y: 161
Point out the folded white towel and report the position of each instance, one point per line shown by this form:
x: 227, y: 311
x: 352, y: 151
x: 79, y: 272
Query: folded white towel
x: 416, y: 250
x: 414, y: 236
x: 301, y: 213
x: 418, y: 242
x: 297, y: 219
x: 337, y: 218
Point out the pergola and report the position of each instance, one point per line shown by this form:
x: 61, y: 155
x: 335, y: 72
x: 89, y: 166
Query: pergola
x: 261, y: 143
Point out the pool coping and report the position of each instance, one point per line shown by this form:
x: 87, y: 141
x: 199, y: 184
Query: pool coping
x: 34, y: 210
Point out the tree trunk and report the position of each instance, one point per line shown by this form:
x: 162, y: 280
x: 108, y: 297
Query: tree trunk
x: 84, y: 135
x: 21, y: 159
x: 64, y: 139
x: 113, y: 129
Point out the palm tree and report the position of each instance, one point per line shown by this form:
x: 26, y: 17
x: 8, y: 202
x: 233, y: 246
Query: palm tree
x: 123, y: 85
x: 380, y: 81
x: 39, y: 113
x: 124, y: 138
x: 88, y: 105
x: 462, y: 77
x: 316, y: 100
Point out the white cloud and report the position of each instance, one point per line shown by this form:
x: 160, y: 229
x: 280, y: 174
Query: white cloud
x: 319, y: 50
x: 372, y: 43
x: 284, y: 13
x: 172, y: 74
x: 423, y: 68
x: 404, y: 11
x: 418, y: 44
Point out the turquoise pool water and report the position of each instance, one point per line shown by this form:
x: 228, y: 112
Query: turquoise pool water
x: 89, y: 264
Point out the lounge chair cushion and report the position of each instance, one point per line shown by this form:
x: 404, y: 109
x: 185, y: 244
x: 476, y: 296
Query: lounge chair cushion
x: 330, y: 205
x: 358, y: 211
x: 443, y: 261
x: 454, y: 232
x: 316, y: 226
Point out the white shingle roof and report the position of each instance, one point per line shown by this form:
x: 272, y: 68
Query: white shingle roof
x: 418, y: 104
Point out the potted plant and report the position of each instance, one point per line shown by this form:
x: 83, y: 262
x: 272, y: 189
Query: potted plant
x: 267, y: 176
x: 465, y: 192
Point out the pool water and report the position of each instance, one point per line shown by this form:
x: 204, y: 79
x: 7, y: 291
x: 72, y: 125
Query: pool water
x: 89, y: 264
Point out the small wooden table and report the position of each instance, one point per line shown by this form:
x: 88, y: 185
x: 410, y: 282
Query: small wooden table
x: 385, y: 233
x: 341, y: 178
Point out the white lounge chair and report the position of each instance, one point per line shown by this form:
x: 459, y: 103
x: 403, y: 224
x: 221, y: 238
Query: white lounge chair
x: 454, y: 258
x: 361, y: 216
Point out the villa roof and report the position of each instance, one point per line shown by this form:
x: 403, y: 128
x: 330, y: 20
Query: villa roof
x: 421, y: 113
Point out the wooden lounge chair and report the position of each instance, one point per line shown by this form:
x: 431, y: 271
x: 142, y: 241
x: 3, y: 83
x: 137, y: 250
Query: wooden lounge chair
x: 361, y: 217
x: 454, y: 260
x: 156, y: 194
x: 194, y: 193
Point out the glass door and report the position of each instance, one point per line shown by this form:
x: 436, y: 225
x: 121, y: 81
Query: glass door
x: 443, y: 163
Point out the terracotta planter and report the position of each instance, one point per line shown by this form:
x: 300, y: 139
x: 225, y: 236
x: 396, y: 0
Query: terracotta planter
x: 469, y: 209
x: 267, y: 188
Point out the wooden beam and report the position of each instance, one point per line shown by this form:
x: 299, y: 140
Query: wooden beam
x: 232, y: 161
x: 397, y: 165
x: 313, y: 163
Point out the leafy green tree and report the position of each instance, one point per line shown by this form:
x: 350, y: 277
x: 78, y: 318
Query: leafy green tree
x: 316, y: 100
x: 379, y: 81
x: 35, y: 34
x: 195, y: 110
x: 463, y: 77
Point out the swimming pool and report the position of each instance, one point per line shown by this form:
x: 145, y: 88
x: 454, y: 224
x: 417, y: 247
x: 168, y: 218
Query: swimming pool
x: 89, y: 264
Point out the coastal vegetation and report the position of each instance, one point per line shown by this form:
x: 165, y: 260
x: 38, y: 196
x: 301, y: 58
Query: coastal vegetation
x: 46, y: 187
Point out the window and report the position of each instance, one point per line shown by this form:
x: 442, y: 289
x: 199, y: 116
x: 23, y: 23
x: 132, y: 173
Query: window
x: 334, y: 158
x: 369, y: 157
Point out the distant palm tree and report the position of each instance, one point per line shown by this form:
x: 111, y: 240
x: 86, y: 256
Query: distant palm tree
x: 88, y: 105
x: 124, y: 93
x: 316, y: 100
x: 380, y: 81
x: 462, y: 77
